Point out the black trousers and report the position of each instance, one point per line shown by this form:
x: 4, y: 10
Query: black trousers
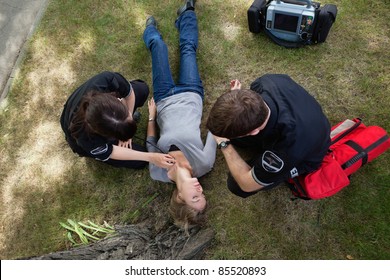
x: 141, y: 91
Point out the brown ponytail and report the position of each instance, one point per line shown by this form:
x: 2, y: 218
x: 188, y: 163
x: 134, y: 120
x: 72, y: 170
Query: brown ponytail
x: 103, y: 114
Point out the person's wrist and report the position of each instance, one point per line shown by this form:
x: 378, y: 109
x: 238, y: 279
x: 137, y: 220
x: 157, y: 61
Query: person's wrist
x: 223, y: 144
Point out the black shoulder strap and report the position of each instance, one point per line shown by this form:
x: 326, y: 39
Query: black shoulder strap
x: 283, y: 43
x: 362, y: 154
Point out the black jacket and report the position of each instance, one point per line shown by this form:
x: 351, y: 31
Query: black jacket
x: 297, y: 135
x: 94, y: 146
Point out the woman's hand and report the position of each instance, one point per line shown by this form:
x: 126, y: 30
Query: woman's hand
x: 162, y: 160
x: 152, y: 109
x: 235, y: 84
x: 125, y: 144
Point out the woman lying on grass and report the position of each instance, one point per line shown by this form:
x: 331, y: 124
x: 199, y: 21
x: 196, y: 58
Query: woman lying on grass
x: 177, y: 109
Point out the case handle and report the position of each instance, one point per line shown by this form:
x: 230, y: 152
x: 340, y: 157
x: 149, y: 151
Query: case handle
x: 308, y: 2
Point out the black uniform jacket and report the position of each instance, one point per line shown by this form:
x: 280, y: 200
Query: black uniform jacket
x: 297, y: 135
x: 94, y: 146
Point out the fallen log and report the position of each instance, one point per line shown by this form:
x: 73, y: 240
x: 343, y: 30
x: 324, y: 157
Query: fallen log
x: 139, y: 242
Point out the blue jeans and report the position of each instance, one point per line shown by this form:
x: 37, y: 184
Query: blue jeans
x: 189, y: 79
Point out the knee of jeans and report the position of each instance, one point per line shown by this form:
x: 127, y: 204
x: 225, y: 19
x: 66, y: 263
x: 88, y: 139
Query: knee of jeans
x: 188, y: 46
x: 149, y: 40
x: 150, y: 37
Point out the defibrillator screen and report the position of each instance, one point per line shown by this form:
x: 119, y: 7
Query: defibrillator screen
x: 286, y: 22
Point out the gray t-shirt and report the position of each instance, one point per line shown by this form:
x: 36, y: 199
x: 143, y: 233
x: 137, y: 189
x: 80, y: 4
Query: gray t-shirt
x: 179, y: 117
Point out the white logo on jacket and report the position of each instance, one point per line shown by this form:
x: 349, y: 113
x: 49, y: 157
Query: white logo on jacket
x: 271, y: 162
x: 99, y: 150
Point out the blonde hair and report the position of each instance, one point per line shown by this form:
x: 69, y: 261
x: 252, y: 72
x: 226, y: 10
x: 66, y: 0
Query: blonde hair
x: 183, y: 215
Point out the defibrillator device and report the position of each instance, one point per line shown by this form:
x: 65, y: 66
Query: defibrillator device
x: 292, y: 23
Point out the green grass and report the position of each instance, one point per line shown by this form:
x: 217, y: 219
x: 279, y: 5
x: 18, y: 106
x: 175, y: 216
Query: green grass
x: 43, y: 182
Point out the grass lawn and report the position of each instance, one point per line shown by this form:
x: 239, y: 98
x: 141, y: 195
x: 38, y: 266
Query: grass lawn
x: 44, y: 183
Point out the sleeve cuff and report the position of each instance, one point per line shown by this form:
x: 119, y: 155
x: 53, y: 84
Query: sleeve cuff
x: 130, y: 89
x: 151, y: 143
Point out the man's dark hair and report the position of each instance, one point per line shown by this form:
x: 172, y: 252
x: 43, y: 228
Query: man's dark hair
x: 236, y: 113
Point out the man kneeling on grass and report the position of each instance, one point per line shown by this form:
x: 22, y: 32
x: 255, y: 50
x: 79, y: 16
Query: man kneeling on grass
x: 279, y: 121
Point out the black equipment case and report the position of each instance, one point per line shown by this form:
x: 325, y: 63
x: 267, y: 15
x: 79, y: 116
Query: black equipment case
x: 324, y: 19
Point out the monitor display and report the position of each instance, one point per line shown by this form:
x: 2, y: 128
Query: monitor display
x: 286, y: 22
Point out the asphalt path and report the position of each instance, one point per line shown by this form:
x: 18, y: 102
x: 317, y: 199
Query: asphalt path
x: 18, y: 21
